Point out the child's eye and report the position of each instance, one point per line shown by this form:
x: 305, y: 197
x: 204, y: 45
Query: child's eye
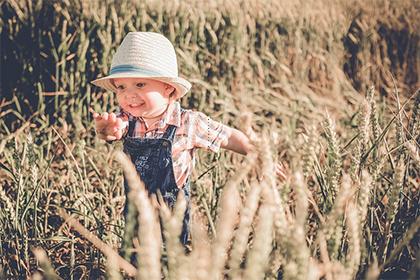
x: 120, y: 87
x: 140, y: 85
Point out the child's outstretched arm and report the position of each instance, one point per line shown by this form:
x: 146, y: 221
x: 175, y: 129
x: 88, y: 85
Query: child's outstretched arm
x: 108, y: 126
x: 238, y: 142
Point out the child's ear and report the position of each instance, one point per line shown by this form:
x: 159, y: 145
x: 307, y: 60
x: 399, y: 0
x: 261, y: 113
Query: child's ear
x: 169, y: 90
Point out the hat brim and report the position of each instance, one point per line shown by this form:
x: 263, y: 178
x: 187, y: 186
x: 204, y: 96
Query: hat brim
x: 181, y: 85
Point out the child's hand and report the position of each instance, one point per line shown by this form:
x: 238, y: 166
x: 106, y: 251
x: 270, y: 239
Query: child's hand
x: 282, y: 171
x: 108, y: 126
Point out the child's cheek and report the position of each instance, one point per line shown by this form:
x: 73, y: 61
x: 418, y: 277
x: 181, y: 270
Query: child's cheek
x: 124, y: 106
x: 122, y: 103
x: 119, y: 99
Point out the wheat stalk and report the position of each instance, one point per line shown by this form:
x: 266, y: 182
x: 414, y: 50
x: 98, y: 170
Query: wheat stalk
x: 333, y: 228
x: 199, y: 260
x: 354, y: 239
x: 113, y: 268
x: 297, y: 266
x: 413, y: 151
x: 242, y: 233
x: 103, y: 247
x: 228, y: 213
x: 334, y: 159
x: 7, y: 209
x: 395, y: 190
x: 364, y: 195
x: 149, y: 250
x: 45, y: 264
x: 309, y: 150
x: 405, y: 240
x: 258, y: 256
x: 172, y: 225
x: 373, y: 271
x: 373, y: 118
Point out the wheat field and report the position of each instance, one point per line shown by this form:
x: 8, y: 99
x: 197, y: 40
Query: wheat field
x: 329, y: 87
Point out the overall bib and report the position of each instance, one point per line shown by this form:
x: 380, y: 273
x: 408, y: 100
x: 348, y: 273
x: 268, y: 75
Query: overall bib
x: 152, y: 159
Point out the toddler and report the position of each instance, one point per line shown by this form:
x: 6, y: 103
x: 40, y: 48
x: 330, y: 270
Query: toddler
x: 159, y: 136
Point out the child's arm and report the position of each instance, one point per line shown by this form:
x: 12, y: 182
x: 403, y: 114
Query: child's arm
x: 213, y: 135
x: 238, y: 142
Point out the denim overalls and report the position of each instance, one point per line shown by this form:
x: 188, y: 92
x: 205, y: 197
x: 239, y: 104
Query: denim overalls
x: 152, y: 158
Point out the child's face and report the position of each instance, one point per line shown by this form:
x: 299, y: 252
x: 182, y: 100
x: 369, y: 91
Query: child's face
x: 142, y: 97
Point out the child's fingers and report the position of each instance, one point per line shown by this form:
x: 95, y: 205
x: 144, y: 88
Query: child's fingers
x: 105, y: 116
x: 118, y: 134
x: 112, y: 117
x: 96, y: 116
x: 119, y: 122
x: 93, y: 112
x: 115, y: 129
x: 108, y: 125
x: 110, y: 138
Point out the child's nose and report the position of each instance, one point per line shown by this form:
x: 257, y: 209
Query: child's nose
x: 131, y: 95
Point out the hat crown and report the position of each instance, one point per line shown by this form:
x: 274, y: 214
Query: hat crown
x: 145, y: 55
x: 151, y: 52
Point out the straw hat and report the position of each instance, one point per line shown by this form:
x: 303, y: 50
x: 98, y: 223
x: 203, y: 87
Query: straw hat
x: 145, y: 55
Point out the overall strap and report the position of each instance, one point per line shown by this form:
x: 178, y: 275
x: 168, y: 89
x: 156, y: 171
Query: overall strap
x: 170, y: 132
x: 131, y: 126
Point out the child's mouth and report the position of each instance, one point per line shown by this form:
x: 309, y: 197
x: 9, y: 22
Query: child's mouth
x: 134, y: 106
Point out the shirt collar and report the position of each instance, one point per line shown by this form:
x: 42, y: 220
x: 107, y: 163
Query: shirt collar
x: 172, y: 116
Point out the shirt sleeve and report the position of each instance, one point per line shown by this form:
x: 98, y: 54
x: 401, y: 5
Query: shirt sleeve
x: 208, y: 134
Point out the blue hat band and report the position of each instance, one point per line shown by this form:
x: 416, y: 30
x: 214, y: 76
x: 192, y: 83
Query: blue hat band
x: 136, y: 70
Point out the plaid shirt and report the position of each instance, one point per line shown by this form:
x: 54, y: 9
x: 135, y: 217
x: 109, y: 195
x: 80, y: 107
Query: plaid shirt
x: 194, y: 130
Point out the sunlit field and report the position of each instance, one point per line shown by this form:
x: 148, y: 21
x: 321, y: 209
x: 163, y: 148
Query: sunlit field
x: 327, y: 87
